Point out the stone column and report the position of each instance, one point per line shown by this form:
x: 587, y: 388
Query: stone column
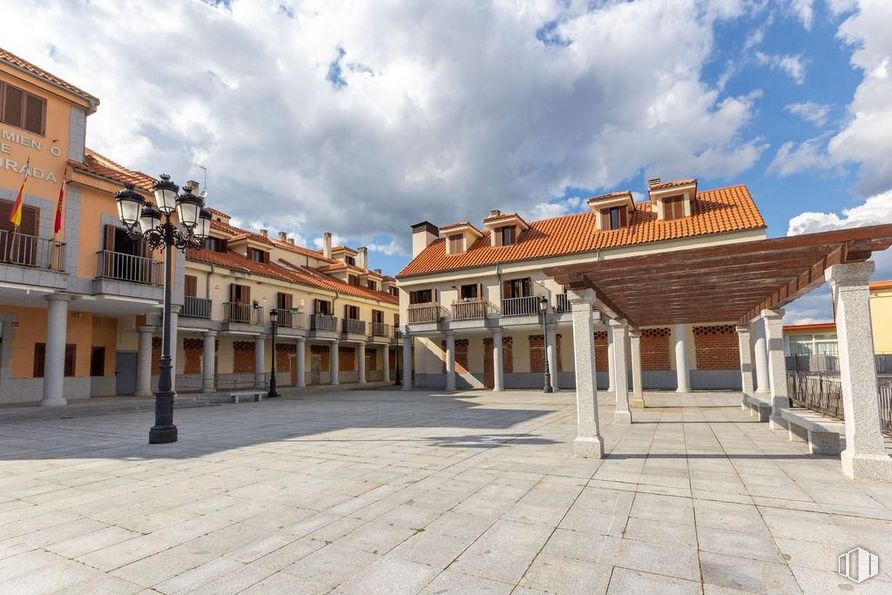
x: 450, y: 361
x: 334, y: 364
x: 498, y: 369
x: 611, y: 360
x: 864, y: 456
x: 746, y: 361
x: 761, y: 358
x: 385, y: 360
x: 637, y: 378
x: 682, y: 371
x: 54, y: 356
x: 407, y: 361
x: 174, y: 345
x: 588, y: 442
x: 360, y: 362
x: 259, y: 360
x: 777, y: 366
x: 208, y: 361
x: 301, y: 363
x: 551, y: 355
x: 620, y: 376
x: 144, y: 362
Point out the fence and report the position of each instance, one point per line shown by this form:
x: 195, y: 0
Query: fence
x: 240, y: 313
x: 324, y: 322
x: 822, y: 392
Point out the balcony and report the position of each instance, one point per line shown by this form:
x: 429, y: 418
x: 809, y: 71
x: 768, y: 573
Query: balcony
x: 323, y: 322
x: 240, y: 313
x: 353, y: 327
x: 563, y: 303
x: 521, y: 306
x: 30, y: 251
x: 379, y: 329
x: 291, y: 319
x: 470, y: 309
x: 196, y: 307
x: 117, y: 266
x: 424, y: 313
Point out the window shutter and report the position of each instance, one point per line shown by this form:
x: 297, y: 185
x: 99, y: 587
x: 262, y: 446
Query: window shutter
x: 70, y: 359
x: 13, y: 103
x: 233, y: 292
x: 623, y: 217
x: 190, y: 286
x: 34, y: 114
x: 30, y: 221
x: 109, y: 242
x: 506, y: 290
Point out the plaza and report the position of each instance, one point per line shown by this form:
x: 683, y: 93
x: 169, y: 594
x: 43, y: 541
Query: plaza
x: 374, y: 491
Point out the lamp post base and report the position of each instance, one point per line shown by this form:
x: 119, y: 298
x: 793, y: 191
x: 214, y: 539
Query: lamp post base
x: 164, y: 431
x: 547, y: 389
x: 162, y: 434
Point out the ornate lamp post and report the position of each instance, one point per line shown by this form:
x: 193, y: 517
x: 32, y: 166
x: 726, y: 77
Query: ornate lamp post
x: 154, y: 225
x: 543, y: 310
x: 274, y: 323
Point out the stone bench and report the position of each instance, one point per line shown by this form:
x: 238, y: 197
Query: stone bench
x: 757, y: 406
x: 822, y: 433
x: 253, y: 395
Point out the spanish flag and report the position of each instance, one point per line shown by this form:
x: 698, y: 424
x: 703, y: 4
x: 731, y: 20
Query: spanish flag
x: 60, y: 204
x: 15, y: 217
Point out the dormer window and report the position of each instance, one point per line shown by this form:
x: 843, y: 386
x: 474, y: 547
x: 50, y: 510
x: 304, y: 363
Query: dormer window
x: 672, y: 200
x: 673, y: 208
x: 460, y: 236
x: 507, y: 235
x: 612, y: 211
x: 504, y: 228
x: 350, y: 260
x: 258, y: 255
x: 618, y: 217
x: 456, y: 244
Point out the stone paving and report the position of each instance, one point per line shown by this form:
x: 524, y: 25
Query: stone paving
x: 392, y: 492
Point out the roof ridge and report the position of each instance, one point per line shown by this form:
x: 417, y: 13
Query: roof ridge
x: 22, y: 64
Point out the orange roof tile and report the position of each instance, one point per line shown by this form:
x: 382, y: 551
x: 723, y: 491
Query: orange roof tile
x: 99, y: 165
x: 672, y: 184
x: 714, y: 211
x: 24, y: 65
x: 811, y: 326
x: 880, y: 285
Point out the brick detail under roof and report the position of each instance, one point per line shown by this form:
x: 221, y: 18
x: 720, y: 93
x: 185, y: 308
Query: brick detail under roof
x: 601, y: 351
x: 713, y: 211
x: 716, y: 347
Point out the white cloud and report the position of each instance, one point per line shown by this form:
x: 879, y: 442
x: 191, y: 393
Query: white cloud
x: 362, y: 118
x: 548, y: 210
x: 793, y: 158
x: 390, y: 249
x: 793, y: 65
x: 813, y: 112
x: 803, y: 10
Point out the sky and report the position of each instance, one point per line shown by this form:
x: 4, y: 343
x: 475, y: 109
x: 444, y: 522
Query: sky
x: 362, y: 118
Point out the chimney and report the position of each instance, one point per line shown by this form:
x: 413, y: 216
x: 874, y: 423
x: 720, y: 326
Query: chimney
x: 193, y: 187
x: 362, y: 260
x: 654, y: 182
x: 422, y: 235
x: 378, y: 271
x: 291, y: 241
x: 326, y: 244
x: 495, y: 213
x: 264, y: 232
x: 283, y: 236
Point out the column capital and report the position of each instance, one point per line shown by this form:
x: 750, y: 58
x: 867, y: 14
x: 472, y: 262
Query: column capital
x: 617, y: 323
x: 58, y: 297
x: 448, y: 333
x: 856, y: 273
x: 145, y: 329
x: 301, y: 339
x: 742, y: 329
x: 497, y: 332
x: 210, y: 333
x: 635, y: 333
x: 580, y: 297
x: 775, y: 314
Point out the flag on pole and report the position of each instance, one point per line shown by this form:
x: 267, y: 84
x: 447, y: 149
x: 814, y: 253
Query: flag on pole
x: 15, y: 217
x: 60, y: 205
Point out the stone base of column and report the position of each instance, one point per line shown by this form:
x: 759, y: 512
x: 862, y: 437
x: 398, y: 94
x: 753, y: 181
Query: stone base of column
x: 682, y: 389
x: 860, y: 466
x: 53, y: 402
x: 637, y: 403
x: 208, y: 390
x: 622, y: 417
x: 588, y: 448
x: 777, y: 423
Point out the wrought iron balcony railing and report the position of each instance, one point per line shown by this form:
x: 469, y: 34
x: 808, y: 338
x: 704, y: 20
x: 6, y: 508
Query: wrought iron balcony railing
x: 127, y: 267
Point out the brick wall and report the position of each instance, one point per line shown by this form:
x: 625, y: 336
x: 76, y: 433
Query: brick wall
x: 655, y: 349
x: 242, y: 356
x: 346, y: 358
x: 283, y: 353
x: 156, y: 355
x: 461, y: 356
x: 537, y: 347
x: 716, y: 347
x: 323, y: 353
x: 193, y: 349
x: 601, y: 350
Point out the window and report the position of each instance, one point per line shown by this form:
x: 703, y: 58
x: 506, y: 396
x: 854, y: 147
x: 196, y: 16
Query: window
x: 351, y: 312
x: 322, y: 307
x: 456, y: 243
x: 22, y: 109
x: 614, y: 218
x: 350, y: 260
x: 258, y: 255
x: 284, y: 301
x: 673, y: 208
x: 507, y: 235
x: 353, y: 280
x: 239, y: 294
x: 396, y: 320
x: 378, y: 316
x: 97, y: 361
x: 469, y: 292
x: 421, y: 296
x: 516, y: 288
x: 40, y: 359
x: 372, y: 285
x: 190, y: 286
x: 215, y: 244
x: 394, y: 291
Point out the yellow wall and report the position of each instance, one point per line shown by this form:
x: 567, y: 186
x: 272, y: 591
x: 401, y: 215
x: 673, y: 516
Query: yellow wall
x: 881, y: 317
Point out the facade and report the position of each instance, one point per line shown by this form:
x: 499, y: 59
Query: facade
x: 470, y: 297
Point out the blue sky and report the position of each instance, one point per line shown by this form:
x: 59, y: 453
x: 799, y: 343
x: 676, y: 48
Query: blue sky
x: 364, y: 118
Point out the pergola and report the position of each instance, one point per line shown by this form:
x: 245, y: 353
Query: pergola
x: 749, y: 283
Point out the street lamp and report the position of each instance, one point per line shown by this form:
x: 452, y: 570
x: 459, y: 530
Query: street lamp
x: 274, y: 323
x: 154, y: 225
x: 543, y: 310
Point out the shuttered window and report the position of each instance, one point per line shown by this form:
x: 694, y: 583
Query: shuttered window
x: 673, y: 208
x: 421, y: 296
x: 22, y: 109
x: 378, y: 316
x: 30, y: 218
x: 516, y: 288
x: 507, y: 235
x: 351, y: 312
x: 40, y: 359
x: 322, y: 307
x: 284, y: 301
x: 239, y: 294
x: 190, y: 286
x: 456, y: 244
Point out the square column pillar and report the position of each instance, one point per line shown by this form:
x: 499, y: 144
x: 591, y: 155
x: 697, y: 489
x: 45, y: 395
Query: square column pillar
x: 746, y: 361
x: 450, y: 361
x: 498, y: 370
x: 637, y: 377
x: 551, y: 355
x: 207, y: 363
x: 334, y: 364
x: 144, y: 362
x: 777, y: 366
x: 407, y: 361
x: 588, y: 441
x: 360, y: 362
x: 385, y: 361
x: 54, y: 357
x: 301, y: 362
x: 682, y: 371
x: 760, y: 350
x: 259, y: 360
x: 622, y: 415
x: 864, y: 456
x: 611, y: 361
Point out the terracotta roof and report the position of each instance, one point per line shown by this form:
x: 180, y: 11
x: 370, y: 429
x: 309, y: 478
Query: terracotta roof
x: 672, y: 184
x: 881, y: 285
x: 98, y: 165
x: 26, y: 66
x: 299, y: 250
x: 714, y: 211
x: 609, y: 196
x: 810, y: 326
x: 459, y: 224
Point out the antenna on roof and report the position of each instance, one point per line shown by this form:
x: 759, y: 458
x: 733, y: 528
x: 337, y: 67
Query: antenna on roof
x: 204, y: 184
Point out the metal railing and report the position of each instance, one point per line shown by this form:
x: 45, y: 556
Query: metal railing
x: 241, y: 313
x: 379, y: 329
x: 291, y: 319
x: 562, y: 303
x: 127, y: 267
x: 816, y: 391
x: 30, y: 251
x: 196, y: 307
x: 520, y: 306
x: 421, y: 313
x: 323, y: 322
x: 354, y: 327
x: 469, y: 309
x: 885, y: 403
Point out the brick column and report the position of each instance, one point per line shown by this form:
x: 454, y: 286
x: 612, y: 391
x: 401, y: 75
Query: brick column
x: 637, y: 377
x: 588, y: 442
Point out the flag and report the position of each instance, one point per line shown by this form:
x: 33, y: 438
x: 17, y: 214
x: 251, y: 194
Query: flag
x: 60, y: 204
x: 15, y: 217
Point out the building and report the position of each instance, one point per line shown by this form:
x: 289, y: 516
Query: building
x: 470, y: 297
